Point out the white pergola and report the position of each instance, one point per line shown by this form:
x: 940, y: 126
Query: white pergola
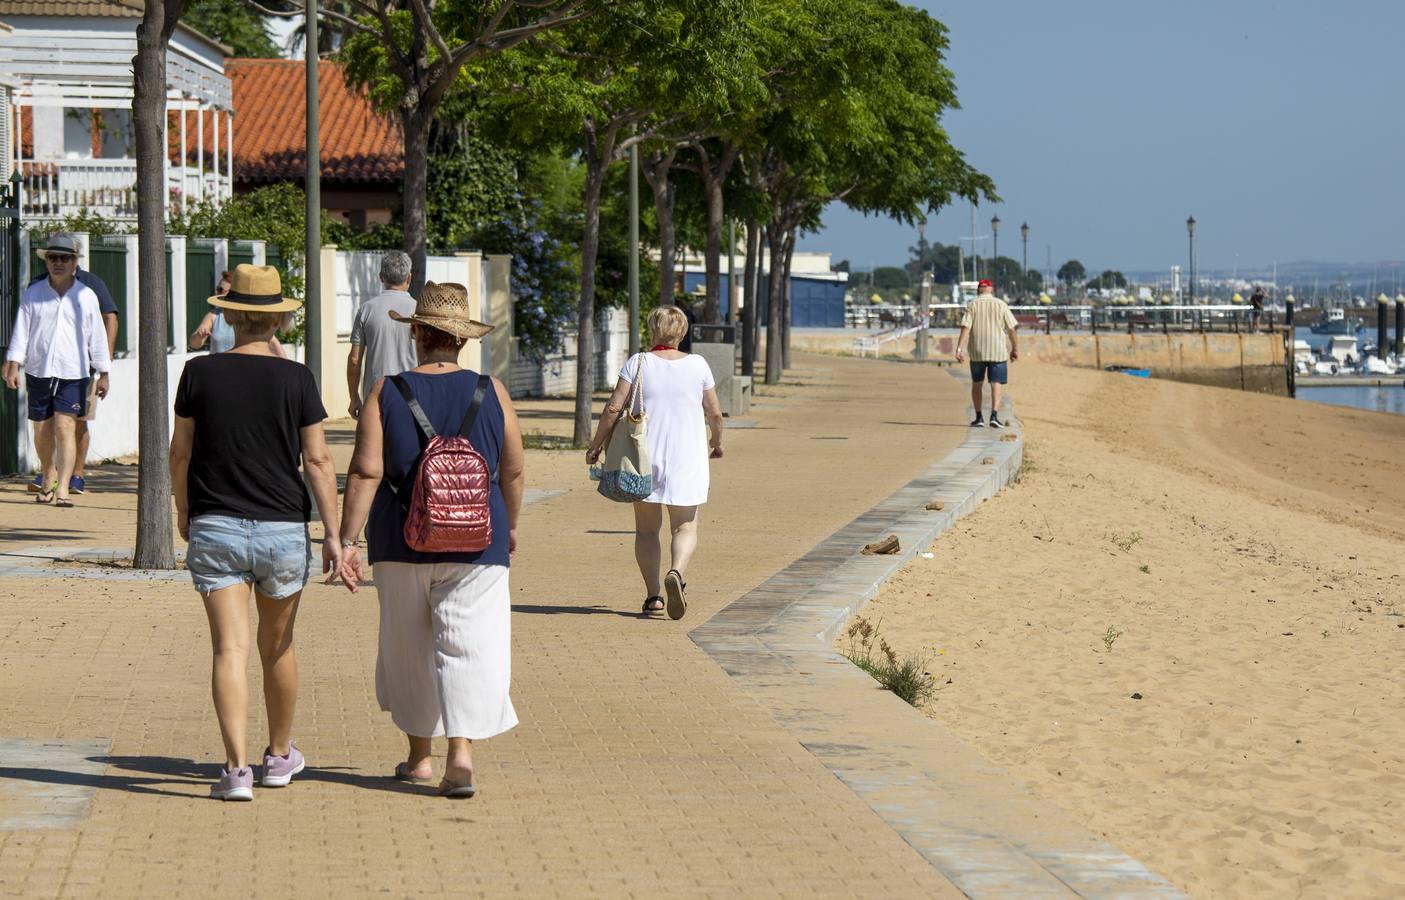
x: 60, y: 63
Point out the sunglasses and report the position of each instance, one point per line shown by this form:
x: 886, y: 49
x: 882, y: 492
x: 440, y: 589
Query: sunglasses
x: 60, y: 258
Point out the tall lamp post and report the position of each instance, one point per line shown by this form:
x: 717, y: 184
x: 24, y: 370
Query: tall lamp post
x: 1024, y: 259
x: 995, y: 254
x: 312, y: 183
x: 1190, y: 229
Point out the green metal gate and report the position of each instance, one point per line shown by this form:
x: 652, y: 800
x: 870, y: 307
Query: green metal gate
x: 107, y: 259
x: 9, y: 305
x: 200, y: 281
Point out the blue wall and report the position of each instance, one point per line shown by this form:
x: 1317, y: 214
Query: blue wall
x: 815, y: 302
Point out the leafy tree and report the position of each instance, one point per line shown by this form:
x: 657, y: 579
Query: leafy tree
x: 841, y: 266
x: 1108, y: 280
x: 1071, y: 273
x: 856, y: 118
x: 619, y: 79
x: 889, y: 278
x: 411, y: 57
x: 233, y: 23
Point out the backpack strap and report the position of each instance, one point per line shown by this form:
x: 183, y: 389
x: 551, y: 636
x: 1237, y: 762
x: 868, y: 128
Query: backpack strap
x: 471, y: 417
x: 415, y: 409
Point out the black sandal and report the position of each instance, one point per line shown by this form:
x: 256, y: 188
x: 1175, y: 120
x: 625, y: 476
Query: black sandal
x: 653, y: 605
x: 45, y: 497
x: 677, y: 590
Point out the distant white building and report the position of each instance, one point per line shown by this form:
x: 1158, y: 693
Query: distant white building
x: 67, y: 110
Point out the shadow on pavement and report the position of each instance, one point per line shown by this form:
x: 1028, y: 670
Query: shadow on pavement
x: 597, y: 610
x: 189, y: 772
x: 134, y: 785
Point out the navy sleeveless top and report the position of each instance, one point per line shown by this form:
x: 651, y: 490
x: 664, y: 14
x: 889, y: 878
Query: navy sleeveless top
x: 445, y: 399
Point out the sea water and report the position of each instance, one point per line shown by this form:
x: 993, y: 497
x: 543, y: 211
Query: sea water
x: 1389, y: 398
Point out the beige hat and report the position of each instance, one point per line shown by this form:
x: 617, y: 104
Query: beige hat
x: 61, y: 243
x: 445, y: 307
x: 255, y: 289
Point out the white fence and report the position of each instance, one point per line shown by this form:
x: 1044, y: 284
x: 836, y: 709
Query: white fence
x: 556, y: 375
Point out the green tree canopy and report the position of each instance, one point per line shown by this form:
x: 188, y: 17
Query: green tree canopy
x: 233, y: 23
x: 1072, y: 272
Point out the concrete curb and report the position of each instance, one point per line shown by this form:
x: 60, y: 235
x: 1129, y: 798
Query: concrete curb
x: 977, y: 825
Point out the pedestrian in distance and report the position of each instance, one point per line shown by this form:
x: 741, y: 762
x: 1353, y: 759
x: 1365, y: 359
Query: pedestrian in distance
x: 60, y: 342
x: 1256, y: 306
x: 215, y: 332
x: 243, y: 419
x: 379, y: 346
x: 989, y: 327
x: 67, y: 243
x: 680, y: 399
x: 444, y: 662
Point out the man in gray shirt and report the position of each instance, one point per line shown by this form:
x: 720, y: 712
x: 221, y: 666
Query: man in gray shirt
x: 380, y: 346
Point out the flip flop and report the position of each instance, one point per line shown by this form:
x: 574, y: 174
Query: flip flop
x: 677, y: 592
x: 63, y: 503
x: 45, y: 497
x: 456, y: 791
x: 403, y: 773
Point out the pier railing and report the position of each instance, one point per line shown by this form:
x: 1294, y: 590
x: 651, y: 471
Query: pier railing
x: 1229, y: 318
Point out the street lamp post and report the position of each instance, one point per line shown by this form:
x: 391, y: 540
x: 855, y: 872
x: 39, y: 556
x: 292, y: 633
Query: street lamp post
x: 1024, y: 258
x: 1190, y: 229
x: 995, y: 254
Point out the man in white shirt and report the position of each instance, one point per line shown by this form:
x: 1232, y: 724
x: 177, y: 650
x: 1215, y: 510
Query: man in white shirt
x: 380, y: 346
x: 58, y: 338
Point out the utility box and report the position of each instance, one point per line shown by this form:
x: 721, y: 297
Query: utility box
x: 716, y: 344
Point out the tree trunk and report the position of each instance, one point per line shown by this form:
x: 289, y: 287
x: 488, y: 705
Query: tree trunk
x: 712, y: 255
x: 749, y: 294
x: 153, y: 545
x: 656, y: 172
x: 789, y: 252
x: 415, y: 124
x: 714, y: 174
x: 775, y: 303
x: 596, y: 163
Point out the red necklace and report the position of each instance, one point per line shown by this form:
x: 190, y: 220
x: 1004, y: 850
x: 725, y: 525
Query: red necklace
x: 659, y: 347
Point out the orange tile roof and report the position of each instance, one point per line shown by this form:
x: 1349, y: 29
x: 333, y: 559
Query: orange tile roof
x: 270, y: 125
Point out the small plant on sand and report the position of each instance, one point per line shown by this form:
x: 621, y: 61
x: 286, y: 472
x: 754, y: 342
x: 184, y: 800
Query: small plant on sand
x: 1125, y: 542
x: 1145, y: 570
x: 907, y: 677
x: 536, y: 440
x: 1110, y: 637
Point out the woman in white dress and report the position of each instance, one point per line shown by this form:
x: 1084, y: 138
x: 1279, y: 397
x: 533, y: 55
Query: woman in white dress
x: 680, y: 400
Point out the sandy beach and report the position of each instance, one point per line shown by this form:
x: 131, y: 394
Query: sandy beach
x: 1185, y: 627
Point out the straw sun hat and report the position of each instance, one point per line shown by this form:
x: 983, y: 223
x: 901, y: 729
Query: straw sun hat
x: 255, y: 289
x: 445, y: 307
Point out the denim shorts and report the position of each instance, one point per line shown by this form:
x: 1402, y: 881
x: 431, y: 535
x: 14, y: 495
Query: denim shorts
x: 275, y: 557
x: 995, y: 372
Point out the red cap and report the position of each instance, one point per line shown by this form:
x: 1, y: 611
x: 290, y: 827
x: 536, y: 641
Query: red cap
x: 984, y: 282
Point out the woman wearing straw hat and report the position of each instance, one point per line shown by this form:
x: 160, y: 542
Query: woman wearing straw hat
x: 243, y: 418
x: 444, y: 661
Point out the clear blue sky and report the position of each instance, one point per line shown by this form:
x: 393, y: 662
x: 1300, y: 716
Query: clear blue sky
x: 1277, y: 123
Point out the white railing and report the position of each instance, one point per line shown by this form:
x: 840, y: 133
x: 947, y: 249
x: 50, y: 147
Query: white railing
x: 873, y: 343
x: 52, y: 189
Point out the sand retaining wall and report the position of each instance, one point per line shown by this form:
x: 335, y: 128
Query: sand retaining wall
x: 1251, y: 362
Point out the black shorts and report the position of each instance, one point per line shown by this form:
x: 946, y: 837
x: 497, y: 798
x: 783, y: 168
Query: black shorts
x: 64, y: 396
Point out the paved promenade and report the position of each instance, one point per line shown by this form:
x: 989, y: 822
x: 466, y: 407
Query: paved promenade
x: 641, y: 768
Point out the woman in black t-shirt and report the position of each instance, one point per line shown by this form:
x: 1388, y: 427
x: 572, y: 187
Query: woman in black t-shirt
x: 243, y: 419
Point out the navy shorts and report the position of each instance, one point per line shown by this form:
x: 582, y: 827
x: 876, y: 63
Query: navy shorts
x: 66, y: 396
x: 994, y: 372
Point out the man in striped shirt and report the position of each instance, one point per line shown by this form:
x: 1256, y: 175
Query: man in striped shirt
x: 989, y: 327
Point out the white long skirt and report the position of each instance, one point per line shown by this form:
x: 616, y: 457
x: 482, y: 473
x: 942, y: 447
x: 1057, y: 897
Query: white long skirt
x: 445, y: 660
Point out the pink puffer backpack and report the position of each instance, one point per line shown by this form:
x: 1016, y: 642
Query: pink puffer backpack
x: 448, y: 509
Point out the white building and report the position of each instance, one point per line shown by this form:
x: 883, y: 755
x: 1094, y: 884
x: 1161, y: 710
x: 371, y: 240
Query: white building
x: 68, y: 127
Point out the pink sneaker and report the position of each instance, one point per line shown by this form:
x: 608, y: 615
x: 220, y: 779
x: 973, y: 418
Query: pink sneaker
x: 236, y: 785
x: 279, y: 770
